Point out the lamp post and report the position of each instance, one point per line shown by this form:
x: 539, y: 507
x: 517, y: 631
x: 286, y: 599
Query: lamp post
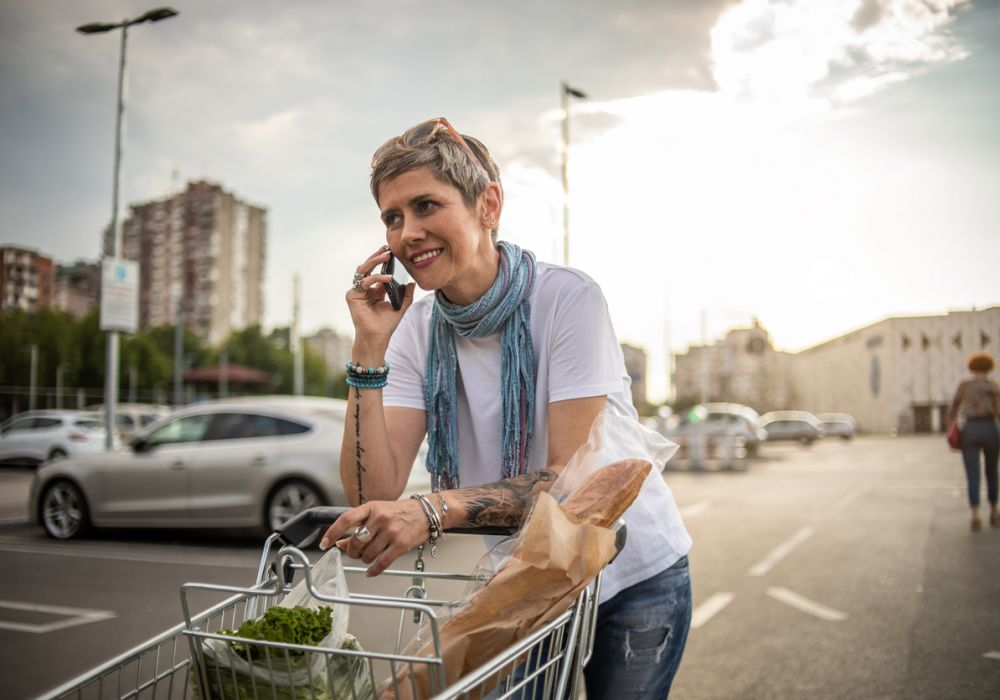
x: 111, y: 356
x: 566, y: 91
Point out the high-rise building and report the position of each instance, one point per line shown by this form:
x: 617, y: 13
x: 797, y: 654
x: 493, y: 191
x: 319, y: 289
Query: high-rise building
x: 27, y: 279
x: 335, y: 349
x: 200, y: 251
x: 635, y: 365
x: 78, y: 287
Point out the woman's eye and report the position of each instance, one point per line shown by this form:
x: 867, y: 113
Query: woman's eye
x: 391, y: 220
x: 425, y: 206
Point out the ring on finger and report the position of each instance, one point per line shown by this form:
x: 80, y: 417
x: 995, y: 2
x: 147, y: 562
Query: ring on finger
x: 363, y: 535
x: 357, y: 286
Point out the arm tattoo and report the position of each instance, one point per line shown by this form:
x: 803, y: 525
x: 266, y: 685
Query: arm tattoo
x: 358, y: 450
x: 504, y: 502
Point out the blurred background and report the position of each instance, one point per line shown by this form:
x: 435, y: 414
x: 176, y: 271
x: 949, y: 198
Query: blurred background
x: 794, y: 172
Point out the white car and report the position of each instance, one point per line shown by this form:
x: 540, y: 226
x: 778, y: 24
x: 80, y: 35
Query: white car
x: 840, y: 425
x: 792, y: 425
x: 235, y: 463
x: 132, y: 418
x: 33, y: 437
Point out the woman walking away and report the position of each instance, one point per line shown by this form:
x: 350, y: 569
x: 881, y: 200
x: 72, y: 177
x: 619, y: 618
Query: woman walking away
x: 977, y: 400
x: 504, y: 368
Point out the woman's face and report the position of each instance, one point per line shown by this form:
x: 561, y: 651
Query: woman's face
x: 443, y: 243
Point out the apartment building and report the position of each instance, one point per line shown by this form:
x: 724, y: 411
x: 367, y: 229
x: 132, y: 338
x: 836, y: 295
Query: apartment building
x: 335, y: 349
x: 78, y: 287
x: 202, y: 252
x: 635, y: 365
x: 742, y: 368
x: 27, y: 279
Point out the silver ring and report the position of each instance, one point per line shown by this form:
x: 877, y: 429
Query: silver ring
x: 357, y: 287
x: 358, y: 276
x: 363, y: 534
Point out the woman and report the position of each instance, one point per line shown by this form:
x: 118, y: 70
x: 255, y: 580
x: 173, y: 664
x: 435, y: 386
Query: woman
x: 978, y: 401
x: 504, y: 369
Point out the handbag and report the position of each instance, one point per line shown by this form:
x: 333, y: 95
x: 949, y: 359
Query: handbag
x: 954, y: 436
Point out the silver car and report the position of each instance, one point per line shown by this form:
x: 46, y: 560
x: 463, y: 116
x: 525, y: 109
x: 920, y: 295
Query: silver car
x: 33, y: 437
x: 248, y: 463
x: 792, y: 425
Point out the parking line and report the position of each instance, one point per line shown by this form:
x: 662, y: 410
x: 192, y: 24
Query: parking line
x: 994, y: 655
x: 780, y: 552
x: 72, y: 617
x: 694, y: 509
x: 805, y: 605
x: 710, y: 608
x: 192, y: 560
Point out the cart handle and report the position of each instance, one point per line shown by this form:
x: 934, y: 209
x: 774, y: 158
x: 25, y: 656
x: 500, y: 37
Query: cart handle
x: 299, y: 528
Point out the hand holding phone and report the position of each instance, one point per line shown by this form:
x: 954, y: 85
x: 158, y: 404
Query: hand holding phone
x: 397, y: 285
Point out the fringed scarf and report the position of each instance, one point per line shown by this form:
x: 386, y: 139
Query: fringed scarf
x: 503, y: 307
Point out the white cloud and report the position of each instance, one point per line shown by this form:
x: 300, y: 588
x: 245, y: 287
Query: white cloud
x: 273, y: 131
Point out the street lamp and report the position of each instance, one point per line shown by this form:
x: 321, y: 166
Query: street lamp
x: 111, y: 357
x: 566, y: 91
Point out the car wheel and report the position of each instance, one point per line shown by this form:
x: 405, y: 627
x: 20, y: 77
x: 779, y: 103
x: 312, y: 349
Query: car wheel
x: 57, y: 453
x: 288, y: 499
x: 63, y: 511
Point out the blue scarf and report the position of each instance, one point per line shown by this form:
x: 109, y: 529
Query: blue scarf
x: 503, y: 307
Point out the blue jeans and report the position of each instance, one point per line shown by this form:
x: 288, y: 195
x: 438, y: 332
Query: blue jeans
x: 981, y: 435
x: 640, y: 638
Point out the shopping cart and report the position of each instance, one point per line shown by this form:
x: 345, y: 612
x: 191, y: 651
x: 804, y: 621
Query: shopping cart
x: 177, y: 663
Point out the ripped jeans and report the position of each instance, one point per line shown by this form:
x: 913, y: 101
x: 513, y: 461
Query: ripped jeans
x: 641, y: 633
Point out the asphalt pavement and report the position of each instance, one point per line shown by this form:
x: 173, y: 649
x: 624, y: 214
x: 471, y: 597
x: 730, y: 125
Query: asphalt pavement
x: 842, y: 570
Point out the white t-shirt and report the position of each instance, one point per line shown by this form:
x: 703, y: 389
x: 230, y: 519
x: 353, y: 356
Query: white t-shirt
x: 578, y: 356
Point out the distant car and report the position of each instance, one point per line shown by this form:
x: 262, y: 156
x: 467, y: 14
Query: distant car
x: 792, y: 425
x: 133, y: 418
x: 235, y: 463
x: 840, y: 425
x: 33, y: 437
x: 723, y: 424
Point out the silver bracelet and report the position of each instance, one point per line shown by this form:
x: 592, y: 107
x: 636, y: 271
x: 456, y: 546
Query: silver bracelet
x: 444, y: 511
x: 433, y: 520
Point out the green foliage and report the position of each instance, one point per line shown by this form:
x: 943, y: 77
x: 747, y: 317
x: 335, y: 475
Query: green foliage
x: 78, y: 347
x: 296, y: 625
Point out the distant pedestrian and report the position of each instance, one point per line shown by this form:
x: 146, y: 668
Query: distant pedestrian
x: 977, y: 405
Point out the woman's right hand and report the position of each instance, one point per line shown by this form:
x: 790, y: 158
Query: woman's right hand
x: 371, y: 311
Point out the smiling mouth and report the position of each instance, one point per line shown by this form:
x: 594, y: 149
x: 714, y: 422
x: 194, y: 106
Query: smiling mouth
x: 424, y: 257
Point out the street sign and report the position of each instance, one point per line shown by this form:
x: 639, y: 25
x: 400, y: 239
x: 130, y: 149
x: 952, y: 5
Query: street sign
x: 119, y: 295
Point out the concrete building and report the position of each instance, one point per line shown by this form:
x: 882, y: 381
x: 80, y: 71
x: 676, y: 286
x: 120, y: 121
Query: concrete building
x: 78, y: 287
x: 742, y: 368
x: 898, y: 374
x: 335, y: 349
x: 27, y: 279
x: 201, y: 251
x: 635, y: 365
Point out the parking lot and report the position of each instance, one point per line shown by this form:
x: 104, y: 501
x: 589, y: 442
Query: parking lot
x: 840, y: 570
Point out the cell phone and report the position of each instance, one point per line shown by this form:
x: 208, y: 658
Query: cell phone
x: 397, y: 285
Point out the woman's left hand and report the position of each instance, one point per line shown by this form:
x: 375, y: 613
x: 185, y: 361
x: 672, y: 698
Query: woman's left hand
x: 395, y: 527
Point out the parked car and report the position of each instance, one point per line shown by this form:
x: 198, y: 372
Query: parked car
x: 132, y: 418
x: 720, y: 422
x: 33, y: 437
x: 233, y: 463
x: 840, y: 425
x: 792, y: 425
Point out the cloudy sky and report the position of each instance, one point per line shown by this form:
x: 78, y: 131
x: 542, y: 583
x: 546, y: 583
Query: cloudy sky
x: 815, y: 164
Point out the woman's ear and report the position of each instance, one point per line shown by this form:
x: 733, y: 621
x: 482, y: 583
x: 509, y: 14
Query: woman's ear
x: 492, y: 205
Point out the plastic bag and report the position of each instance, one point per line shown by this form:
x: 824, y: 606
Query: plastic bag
x: 293, y: 673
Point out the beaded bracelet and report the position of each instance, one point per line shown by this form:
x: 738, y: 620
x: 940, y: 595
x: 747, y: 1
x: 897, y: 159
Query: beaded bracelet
x: 367, y: 377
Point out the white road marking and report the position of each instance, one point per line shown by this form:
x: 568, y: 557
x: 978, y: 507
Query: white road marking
x: 710, y: 608
x: 850, y: 497
x: 695, y: 509
x: 805, y: 605
x: 72, y: 617
x: 995, y: 655
x: 91, y: 553
x: 780, y: 552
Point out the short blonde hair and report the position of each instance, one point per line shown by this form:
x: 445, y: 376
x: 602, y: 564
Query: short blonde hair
x: 428, y: 145
x: 980, y: 362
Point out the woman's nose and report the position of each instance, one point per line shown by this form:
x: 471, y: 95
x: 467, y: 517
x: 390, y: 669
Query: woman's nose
x: 412, y: 231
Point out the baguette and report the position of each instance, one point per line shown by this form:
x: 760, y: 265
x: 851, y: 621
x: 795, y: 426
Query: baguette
x: 608, y: 492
